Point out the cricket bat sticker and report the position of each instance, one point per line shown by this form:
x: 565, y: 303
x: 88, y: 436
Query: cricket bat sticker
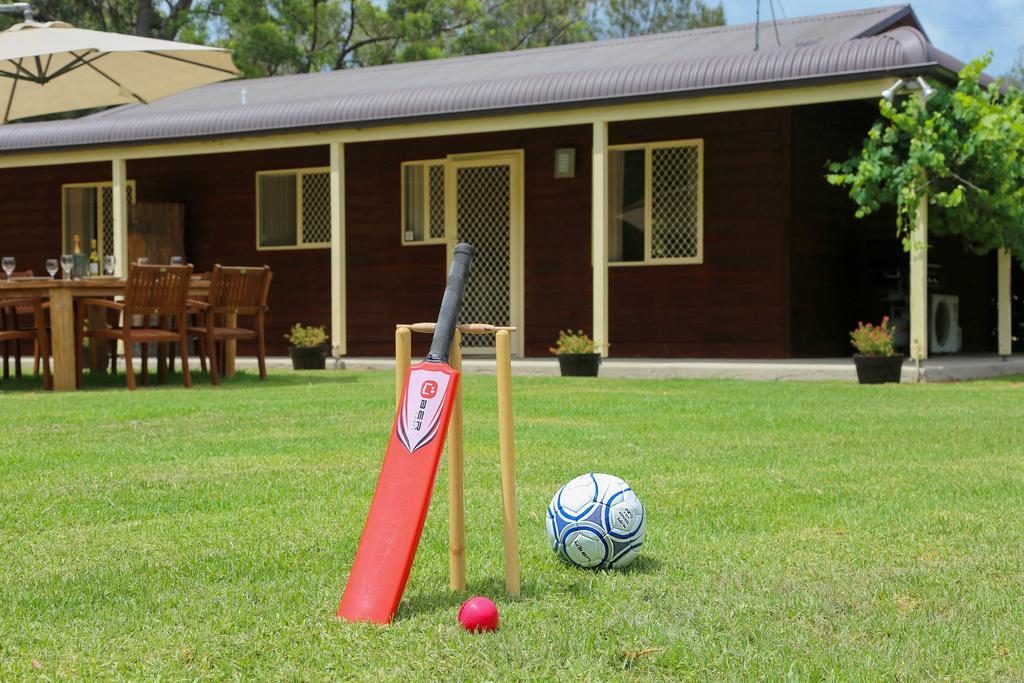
x: 422, y: 407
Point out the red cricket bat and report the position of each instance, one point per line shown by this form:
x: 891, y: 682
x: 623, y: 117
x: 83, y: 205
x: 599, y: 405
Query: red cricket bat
x: 399, y: 507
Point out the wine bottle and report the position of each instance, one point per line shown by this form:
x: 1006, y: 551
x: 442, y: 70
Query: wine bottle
x: 81, y: 261
x: 94, y: 260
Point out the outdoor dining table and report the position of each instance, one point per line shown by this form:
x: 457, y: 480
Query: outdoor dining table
x: 62, y: 294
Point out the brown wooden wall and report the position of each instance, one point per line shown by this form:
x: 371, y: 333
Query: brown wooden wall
x: 388, y: 283
x: 787, y: 270
x: 219, y: 194
x: 826, y: 282
x: 732, y: 305
x: 735, y: 304
x: 30, y: 210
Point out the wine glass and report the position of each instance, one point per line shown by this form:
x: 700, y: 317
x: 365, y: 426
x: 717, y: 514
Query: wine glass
x: 67, y: 262
x: 8, y: 264
x: 108, y: 264
x: 51, y: 267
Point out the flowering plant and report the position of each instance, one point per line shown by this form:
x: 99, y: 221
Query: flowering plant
x: 871, y: 340
x: 573, y: 342
x: 306, y: 337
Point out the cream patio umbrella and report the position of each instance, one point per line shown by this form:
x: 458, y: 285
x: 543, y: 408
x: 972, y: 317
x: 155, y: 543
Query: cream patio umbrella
x: 53, y: 67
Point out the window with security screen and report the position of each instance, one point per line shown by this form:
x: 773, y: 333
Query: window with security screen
x: 423, y: 202
x: 655, y: 203
x: 88, y: 212
x: 293, y: 209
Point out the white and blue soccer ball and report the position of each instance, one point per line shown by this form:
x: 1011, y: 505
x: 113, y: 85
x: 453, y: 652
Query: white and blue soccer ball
x: 596, y: 520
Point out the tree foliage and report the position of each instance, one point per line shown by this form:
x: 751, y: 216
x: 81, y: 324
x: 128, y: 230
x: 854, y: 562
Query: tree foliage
x: 963, y: 150
x: 140, y: 17
x: 1015, y: 76
x: 298, y: 36
x: 619, y: 18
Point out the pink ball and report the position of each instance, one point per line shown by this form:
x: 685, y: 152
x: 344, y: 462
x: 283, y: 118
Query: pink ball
x: 478, y: 614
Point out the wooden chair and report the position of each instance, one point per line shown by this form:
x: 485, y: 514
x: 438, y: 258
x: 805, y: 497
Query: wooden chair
x: 9, y: 321
x: 239, y: 291
x: 193, y: 320
x: 37, y: 334
x: 159, y: 292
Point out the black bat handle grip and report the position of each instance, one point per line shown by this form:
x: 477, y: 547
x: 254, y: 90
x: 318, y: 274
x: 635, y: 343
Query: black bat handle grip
x: 441, y: 345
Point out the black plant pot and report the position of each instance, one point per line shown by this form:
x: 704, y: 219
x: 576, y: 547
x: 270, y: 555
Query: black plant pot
x: 308, y: 358
x: 878, y: 369
x: 579, y: 364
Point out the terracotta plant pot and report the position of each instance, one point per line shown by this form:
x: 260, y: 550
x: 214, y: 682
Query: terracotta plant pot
x: 878, y: 369
x: 308, y: 358
x: 579, y: 364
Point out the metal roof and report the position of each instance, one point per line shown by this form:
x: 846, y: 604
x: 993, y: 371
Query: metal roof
x: 818, y: 48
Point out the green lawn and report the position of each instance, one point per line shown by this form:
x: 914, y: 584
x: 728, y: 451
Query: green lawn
x: 797, y: 530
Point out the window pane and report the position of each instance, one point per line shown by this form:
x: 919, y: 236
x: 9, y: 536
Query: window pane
x: 626, y: 205
x: 79, y: 216
x: 277, y: 210
x: 675, y: 202
x: 316, y: 208
x: 106, y: 227
x: 437, y: 201
x: 415, y: 202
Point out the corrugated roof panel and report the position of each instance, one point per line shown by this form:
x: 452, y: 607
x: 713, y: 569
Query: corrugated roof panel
x: 576, y: 74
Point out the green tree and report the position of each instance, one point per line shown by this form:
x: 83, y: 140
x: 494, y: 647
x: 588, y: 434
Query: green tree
x: 520, y: 24
x: 298, y: 36
x: 139, y: 17
x: 618, y: 18
x: 295, y: 36
x: 1015, y: 76
x: 276, y: 37
x: 964, y: 150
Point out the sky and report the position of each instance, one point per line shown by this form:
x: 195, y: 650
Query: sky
x: 990, y: 24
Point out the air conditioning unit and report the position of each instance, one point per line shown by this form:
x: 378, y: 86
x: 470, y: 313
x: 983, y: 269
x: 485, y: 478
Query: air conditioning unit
x: 944, y: 324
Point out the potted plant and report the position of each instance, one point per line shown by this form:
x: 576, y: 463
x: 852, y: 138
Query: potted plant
x: 876, y: 360
x: 308, y: 349
x: 577, y: 355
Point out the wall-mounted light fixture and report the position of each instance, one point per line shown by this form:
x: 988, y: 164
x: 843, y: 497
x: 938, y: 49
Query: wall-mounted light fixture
x: 565, y: 162
x: 903, y: 85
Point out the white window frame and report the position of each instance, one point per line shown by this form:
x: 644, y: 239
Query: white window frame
x: 98, y: 185
x: 427, y: 239
x: 298, y: 173
x: 649, y: 204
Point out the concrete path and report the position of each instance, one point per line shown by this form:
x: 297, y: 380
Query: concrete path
x: 937, y: 369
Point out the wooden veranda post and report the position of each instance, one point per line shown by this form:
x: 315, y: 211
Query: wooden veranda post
x: 339, y: 341
x: 919, y: 277
x: 1004, y: 299
x: 919, y: 283
x: 119, y: 192
x: 598, y: 233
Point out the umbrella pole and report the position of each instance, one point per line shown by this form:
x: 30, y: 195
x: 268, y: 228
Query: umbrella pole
x: 23, y: 7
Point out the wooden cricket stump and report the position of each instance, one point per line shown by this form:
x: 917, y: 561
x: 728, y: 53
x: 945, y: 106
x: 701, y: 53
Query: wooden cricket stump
x: 456, y: 452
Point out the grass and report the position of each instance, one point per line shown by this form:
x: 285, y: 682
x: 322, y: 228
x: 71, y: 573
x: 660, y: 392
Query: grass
x: 797, y: 530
